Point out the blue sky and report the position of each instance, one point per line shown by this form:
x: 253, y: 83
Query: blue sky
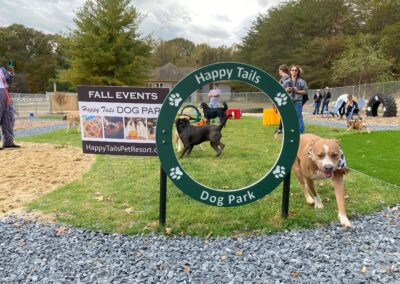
x: 215, y: 22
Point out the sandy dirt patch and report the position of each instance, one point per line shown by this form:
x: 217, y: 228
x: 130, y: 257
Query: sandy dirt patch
x: 22, y: 124
x: 35, y: 169
x: 377, y: 120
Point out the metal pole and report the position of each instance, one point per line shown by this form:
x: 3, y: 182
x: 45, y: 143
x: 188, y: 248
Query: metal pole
x: 285, y: 196
x: 163, y: 196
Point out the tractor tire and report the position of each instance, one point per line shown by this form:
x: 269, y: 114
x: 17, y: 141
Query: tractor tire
x: 388, y: 102
x: 253, y: 110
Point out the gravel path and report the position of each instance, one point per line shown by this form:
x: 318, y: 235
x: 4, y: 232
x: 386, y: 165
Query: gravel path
x: 48, y: 253
x: 27, y: 127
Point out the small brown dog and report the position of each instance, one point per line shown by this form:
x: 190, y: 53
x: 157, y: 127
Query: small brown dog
x: 319, y: 158
x: 73, y: 118
x: 359, y: 125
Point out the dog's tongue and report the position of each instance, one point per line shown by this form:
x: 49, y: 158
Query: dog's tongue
x: 327, y: 174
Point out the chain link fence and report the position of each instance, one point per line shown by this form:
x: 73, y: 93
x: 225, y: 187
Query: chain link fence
x: 31, y: 105
x: 35, y: 105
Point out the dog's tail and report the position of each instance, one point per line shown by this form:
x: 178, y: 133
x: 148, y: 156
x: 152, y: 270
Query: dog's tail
x: 222, y: 124
x: 225, y: 106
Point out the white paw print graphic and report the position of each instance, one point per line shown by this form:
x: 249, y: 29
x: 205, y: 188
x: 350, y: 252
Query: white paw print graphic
x: 175, y: 173
x: 174, y: 99
x: 281, y: 99
x: 279, y: 172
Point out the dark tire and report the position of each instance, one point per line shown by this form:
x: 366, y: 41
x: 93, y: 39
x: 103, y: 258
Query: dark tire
x: 388, y: 102
x: 253, y: 110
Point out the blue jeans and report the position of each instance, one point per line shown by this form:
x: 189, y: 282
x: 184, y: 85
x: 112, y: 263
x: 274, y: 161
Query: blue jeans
x: 298, y: 106
x: 316, y: 109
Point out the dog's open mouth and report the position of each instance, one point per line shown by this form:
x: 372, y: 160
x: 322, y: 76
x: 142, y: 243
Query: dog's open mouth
x: 327, y: 174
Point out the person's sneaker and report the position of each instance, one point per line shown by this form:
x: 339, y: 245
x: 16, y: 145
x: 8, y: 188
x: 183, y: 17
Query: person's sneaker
x: 278, y: 131
x: 12, y: 146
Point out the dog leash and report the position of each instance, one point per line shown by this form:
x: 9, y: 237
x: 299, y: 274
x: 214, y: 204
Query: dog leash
x: 387, y: 183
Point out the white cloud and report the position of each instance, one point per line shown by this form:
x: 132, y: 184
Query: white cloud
x: 216, y: 22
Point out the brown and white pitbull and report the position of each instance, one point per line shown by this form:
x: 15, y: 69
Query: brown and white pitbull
x: 319, y: 158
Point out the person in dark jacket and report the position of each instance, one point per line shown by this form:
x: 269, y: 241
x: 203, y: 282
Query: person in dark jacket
x: 326, y: 98
x: 317, y: 102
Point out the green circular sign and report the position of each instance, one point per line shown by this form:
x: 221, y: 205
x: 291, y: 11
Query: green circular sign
x: 191, y: 83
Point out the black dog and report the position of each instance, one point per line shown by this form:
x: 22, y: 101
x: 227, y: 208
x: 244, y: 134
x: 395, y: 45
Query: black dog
x: 210, y: 113
x: 194, y: 135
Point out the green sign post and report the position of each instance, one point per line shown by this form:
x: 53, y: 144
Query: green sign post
x: 206, y: 75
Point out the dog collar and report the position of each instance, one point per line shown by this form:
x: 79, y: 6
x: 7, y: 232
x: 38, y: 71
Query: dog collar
x: 342, y: 161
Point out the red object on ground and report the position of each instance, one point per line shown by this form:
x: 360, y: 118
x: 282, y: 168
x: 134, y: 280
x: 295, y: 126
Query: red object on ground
x: 234, y: 111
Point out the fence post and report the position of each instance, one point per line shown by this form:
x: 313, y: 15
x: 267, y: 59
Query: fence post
x: 36, y: 114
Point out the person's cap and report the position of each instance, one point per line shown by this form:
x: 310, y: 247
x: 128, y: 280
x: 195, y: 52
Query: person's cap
x: 318, y: 90
x: 327, y: 88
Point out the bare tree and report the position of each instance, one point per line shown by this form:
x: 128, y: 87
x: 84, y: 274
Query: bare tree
x: 60, y: 99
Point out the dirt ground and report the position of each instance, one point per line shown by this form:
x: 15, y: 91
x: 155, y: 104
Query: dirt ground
x: 35, y: 169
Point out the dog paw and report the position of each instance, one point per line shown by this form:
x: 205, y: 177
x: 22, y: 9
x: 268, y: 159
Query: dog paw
x: 344, y: 221
x: 281, y: 99
x: 175, y: 173
x: 175, y: 99
x: 310, y: 200
x: 279, y: 172
x: 318, y: 203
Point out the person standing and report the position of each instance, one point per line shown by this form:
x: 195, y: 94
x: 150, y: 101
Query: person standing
x: 214, y: 95
x: 326, y: 98
x: 283, y: 72
x: 317, y: 102
x: 296, y: 87
x: 7, y: 117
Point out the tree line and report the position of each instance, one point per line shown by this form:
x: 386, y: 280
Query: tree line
x: 336, y: 42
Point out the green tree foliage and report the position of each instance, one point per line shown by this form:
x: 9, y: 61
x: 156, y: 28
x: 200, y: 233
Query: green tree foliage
x: 375, y: 15
x: 176, y: 51
x: 283, y: 35
x: 316, y: 35
x: 35, y: 54
x: 390, y: 43
x: 106, y: 48
x: 185, y: 53
x: 361, y: 62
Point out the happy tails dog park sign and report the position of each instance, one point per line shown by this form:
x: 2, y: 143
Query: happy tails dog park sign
x: 206, y: 75
x: 119, y: 120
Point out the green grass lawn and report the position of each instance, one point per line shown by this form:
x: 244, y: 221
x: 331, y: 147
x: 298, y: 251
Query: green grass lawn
x: 121, y: 193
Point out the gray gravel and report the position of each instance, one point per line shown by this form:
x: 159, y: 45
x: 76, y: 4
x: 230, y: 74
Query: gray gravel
x: 49, y: 253
x: 39, y: 130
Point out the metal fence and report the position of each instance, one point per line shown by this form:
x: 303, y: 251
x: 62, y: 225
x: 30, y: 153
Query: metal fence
x: 31, y: 105
x: 40, y: 104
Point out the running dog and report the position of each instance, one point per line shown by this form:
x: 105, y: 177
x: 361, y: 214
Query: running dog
x: 178, y: 140
x: 359, y: 125
x: 72, y: 118
x: 194, y: 135
x: 211, y: 113
x: 319, y: 158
